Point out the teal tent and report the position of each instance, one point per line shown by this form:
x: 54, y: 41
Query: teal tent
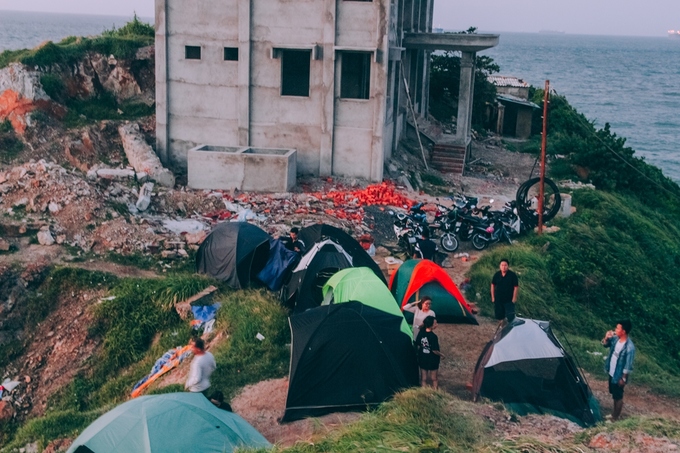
x: 362, y: 285
x: 172, y: 422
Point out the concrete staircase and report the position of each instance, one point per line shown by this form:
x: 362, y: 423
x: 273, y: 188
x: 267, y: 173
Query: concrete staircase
x: 449, y: 158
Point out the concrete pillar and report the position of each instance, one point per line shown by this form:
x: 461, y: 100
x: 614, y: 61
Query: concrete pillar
x: 328, y: 82
x: 161, y: 26
x: 500, y: 119
x: 465, y: 93
x: 244, y: 49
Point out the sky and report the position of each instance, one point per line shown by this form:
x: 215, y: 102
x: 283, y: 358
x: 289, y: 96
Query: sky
x: 601, y: 17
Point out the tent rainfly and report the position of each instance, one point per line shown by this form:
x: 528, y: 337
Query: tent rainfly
x: 418, y: 278
x: 322, y: 260
x: 234, y: 252
x: 361, y: 284
x: 319, y: 232
x: 346, y: 357
x: 526, y: 367
x: 172, y: 422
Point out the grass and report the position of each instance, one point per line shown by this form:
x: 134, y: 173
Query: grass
x: 614, y: 259
x: 417, y: 420
x: 10, y: 144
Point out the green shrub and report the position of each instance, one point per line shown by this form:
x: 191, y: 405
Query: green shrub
x: 10, y: 144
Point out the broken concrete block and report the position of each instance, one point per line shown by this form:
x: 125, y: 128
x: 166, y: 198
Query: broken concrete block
x: 144, y: 199
x: 142, y: 157
x: 45, y: 237
x: 54, y: 207
x: 20, y: 203
x: 116, y: 173
x: 4, y: 245
x: 195, y: 238
x: 142, y: 176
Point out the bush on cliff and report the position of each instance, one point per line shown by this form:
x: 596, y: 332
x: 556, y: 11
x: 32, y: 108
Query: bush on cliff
x: 122, y: 43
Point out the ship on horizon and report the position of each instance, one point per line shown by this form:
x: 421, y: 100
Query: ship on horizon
x: 551, y: 32
x: 674, y: 33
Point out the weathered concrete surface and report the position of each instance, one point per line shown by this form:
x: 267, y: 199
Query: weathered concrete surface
x: 142, y: 157
x: 450, y: 41
x: 249, y: 169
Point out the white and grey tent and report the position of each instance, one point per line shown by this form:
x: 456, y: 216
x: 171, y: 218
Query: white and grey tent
x: 321, y: 262
x: 525, y: 367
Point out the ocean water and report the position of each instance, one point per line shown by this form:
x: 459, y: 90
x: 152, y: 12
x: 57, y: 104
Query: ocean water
x: 20, y: 30
x: 632, y: 83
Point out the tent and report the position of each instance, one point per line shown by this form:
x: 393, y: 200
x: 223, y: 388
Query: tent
x: 322, y: 260
x: 319, y: 232
x: 234, y: 252
x: 172, y: 422
x: 346, y: 357
x: 526, y: 367
x: 361, y: 284
x: 417, y: 278
x: 280, y: 260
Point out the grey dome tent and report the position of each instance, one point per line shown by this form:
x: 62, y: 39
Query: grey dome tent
x: 525, y: 367
x: 234, y: 252
x: 320, y: 232
x: 346, y: 357
x: 321, y: 262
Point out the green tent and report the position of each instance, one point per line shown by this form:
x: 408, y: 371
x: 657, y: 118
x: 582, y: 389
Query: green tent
x: 362, y: 285
x: 172, y: 422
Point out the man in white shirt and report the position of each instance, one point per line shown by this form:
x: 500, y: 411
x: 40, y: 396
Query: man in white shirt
x: 202, y: 366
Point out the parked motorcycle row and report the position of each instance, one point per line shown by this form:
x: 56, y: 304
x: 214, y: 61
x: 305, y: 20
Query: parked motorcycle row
x: 466, y: 221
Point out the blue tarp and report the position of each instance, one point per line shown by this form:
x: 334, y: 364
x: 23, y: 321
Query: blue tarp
x: 280, y: 259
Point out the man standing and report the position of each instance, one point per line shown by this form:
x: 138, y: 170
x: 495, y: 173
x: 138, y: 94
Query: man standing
x: 619, y: 362
x: 202, y: 366
x: 293, y: 242
x: 504, y: 288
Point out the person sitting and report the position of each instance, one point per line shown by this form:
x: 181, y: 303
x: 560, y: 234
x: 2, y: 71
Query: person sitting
x: 367, y: 243
x: 217, y: 398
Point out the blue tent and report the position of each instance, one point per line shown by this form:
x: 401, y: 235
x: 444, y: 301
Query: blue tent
x: 172, y: 422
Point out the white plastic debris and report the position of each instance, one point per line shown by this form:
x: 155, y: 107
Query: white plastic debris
x: 259, y: 336
x: 144, y: 199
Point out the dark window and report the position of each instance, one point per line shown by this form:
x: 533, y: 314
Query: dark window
x: 355, y: 75
x: 192, y: 52
x: 295, y: 72
x: 231, y: 53
x: 358, y: 0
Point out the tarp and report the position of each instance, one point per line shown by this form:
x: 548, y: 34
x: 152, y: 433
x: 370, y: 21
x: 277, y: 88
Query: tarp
x: 526, y: 367
x: 280, y: 259
x: 418, y: 278
x: 172, y: 422
x: 346, y: 357
x: 317, y: 233
x: 303, y: 289
x: 361, y: 284
x: 171, y: 359
x: 234, y: 253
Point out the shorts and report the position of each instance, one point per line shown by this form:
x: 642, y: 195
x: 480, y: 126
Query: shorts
x: 425, y: 362
x: 616, y: 390
x: 504, y: 310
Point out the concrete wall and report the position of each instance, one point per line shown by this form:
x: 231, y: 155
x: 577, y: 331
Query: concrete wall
x: 524, y: 117
x: 239, y: 103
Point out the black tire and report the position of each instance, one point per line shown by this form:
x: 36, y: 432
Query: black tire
x: 449, y: 242
x: 479, y: 243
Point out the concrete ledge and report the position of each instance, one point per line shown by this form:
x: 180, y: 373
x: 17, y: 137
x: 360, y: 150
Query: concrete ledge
x: 450, y: 41
x: 250, y: 169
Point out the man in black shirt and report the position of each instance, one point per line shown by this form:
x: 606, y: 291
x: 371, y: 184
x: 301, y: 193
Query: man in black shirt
x: 425, y: 248
x: 293, y: 243
x: 504, y: 288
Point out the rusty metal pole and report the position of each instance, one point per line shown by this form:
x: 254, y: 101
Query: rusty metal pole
x: 544, y: 139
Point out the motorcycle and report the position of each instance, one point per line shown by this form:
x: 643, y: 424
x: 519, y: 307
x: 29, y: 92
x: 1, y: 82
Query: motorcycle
x: 505, y: 224
x: 407, y: 230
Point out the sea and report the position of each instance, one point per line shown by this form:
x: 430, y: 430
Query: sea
x: 632, y: 83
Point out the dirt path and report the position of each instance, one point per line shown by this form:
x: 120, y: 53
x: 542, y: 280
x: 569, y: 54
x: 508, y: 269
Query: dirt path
x: 57, y: 255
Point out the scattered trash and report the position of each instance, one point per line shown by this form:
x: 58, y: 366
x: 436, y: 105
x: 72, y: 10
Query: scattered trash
x: 259, y: 336
x: 144, y: 199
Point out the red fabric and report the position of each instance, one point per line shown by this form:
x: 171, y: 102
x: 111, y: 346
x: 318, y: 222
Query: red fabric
x: 425, y: 272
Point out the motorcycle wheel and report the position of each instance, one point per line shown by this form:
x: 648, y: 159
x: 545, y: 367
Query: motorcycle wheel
x: 449, y: 242
x: 479, y: 243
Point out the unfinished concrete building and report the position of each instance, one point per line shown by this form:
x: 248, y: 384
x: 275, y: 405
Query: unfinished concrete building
x: 322, y: 77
